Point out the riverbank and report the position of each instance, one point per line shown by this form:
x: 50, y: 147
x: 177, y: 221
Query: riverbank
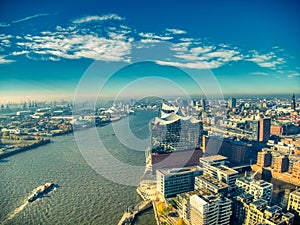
x: 40, y: 142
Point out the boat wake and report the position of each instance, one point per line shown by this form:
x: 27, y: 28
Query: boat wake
x: 16, y: 211
x: 33, y: 196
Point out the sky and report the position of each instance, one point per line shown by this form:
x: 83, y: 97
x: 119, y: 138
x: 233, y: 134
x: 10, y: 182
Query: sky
x: 48, y: 49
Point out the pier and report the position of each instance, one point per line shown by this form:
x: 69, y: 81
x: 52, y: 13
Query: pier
x: 129, y: 216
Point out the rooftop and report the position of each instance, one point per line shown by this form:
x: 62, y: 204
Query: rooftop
x: 226, y: 170
x: 274, y: 209
x: 262, y: 183
x: 213, y: 158
x: 179, y: 170
x: 260, y: 203
x: 296, y: 192
x: 213, y: 181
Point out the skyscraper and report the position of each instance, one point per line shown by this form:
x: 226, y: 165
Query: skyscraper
x: 293, y: 106
x: 203, y: 103
x: 264, y: 129
x: 255, y: 130
x: 232, y: 102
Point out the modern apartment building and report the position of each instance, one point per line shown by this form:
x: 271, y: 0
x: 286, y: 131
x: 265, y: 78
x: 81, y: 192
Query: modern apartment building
x: 260, y: 189
x: 260, y: 213
x: 207, y: 208
x: 206, y: 182
x: 175, y: 181
x: 222, y: 173
x: 264, y: 158
x: 294, y: 204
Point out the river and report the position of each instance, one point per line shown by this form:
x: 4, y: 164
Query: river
x: 83, y: 195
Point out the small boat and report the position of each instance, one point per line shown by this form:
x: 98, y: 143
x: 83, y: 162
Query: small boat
x: 40, y: 191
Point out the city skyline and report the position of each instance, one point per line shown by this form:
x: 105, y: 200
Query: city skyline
x: 250, y: 49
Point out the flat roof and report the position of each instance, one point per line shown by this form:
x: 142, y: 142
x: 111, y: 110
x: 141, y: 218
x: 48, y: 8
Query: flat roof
x: 262, y: 183
x: 213, y: 158
x: 296, y: 192
x: 179, y: 170
x: 213, y: 181
x: 227, y: 170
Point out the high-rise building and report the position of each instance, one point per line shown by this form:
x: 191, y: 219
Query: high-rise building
x: 240, y: 207
x: 294, y: 203
x: 207, y: 208
x: 264, y: 158
x: 260, y: 213
x: 235, y: 151
x: 280, y: 163
x: 255, y: 130
x: 260, y: 189
x: 296, y: 170
x: 264, y: 129
x: 231, y: 102
x: 203, y: 104
x: 293, y: 105
x: 175, y: 181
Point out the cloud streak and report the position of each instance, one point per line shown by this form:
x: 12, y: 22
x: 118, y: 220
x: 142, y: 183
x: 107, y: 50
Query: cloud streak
x: 29, y: 17
x: 88, y: 19
x: 3, y: 60
x: 175, y: 31
x: 3, y: 24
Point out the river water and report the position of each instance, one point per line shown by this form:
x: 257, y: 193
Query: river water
x: 83, y: 195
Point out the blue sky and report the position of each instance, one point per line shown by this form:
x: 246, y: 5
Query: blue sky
x: 251, y: 47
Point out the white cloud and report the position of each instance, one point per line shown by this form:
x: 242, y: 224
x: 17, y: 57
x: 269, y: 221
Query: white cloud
x: 192, y: 65
x: 53, y: 46
x: 154, y: 36
x: 5, y: 43
x: 149, y: 40
x: 175, y: 31
x: 5, y: 36
x: 191, y: 53
x: 269, y: 60
x: 20, y: 53
x: 201, y: 50
x: 294, y: 74
x: 259, y: 74
x: 5, y: 61
x: 4, y: 24
x: 88, y: 19
x: 225, y: 55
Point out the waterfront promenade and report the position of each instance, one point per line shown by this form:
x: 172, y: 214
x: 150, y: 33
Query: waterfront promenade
x: 129, y: 216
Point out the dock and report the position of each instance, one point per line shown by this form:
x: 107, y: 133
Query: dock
x: 129, y: 216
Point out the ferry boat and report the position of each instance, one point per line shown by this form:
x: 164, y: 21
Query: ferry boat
x: 40, y: 191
